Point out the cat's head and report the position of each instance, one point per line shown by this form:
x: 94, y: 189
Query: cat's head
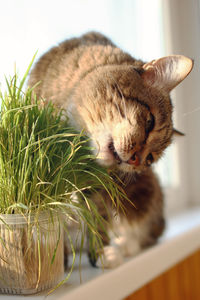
x: 127, y: 111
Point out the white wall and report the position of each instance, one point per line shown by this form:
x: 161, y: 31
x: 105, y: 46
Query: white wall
x: 30, y: 25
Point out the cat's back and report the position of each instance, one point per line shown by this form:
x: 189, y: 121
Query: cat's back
x: 70, y: 46
x: 62, y: 61
x: 63, y: 66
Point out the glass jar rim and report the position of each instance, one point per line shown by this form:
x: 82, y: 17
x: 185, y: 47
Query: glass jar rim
x: 12, y: 219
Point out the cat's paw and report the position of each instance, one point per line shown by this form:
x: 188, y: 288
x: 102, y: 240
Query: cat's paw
x: 127, y: 246
x: 110, y: 258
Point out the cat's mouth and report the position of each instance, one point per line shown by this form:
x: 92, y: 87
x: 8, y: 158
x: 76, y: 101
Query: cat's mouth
x: 114, y: 152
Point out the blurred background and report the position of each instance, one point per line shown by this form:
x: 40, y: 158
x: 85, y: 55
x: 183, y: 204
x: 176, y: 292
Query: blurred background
x: 147, y: 30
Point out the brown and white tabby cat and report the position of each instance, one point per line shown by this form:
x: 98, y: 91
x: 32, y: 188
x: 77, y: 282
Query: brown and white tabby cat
x: 124, y: 106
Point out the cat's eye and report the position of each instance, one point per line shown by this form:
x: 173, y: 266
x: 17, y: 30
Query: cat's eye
x: 150, y: 123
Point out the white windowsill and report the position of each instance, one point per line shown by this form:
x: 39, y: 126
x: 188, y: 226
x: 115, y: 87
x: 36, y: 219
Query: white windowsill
x: 181, y: 239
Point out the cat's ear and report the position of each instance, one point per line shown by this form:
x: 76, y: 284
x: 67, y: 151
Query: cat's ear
x: 167, y: 72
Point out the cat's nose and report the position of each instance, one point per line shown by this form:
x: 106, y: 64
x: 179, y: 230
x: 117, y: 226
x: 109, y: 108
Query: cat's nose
x: 135, y: 159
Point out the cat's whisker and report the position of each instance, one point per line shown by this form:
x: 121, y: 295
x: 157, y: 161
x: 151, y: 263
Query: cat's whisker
x: 117, y: 105
x: 191, y: 112
x: 122, y: 97
x: 125, y: 110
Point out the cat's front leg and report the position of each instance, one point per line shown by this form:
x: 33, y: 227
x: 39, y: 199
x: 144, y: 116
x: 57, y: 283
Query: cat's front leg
x: 140, y: 226
x: 122, y: 240
x: 124, y: 237
x: 143, y: 221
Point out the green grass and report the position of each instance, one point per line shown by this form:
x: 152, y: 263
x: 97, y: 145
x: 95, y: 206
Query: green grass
x: 45, y: 164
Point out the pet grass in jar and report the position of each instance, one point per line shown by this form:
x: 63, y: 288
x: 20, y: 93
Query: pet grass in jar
x: 43, y: 164
x: 31, y: 253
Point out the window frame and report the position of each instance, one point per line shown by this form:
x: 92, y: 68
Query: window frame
x: 182, y: 36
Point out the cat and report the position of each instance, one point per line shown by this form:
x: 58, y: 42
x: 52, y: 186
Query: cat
x: 123, y: 104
